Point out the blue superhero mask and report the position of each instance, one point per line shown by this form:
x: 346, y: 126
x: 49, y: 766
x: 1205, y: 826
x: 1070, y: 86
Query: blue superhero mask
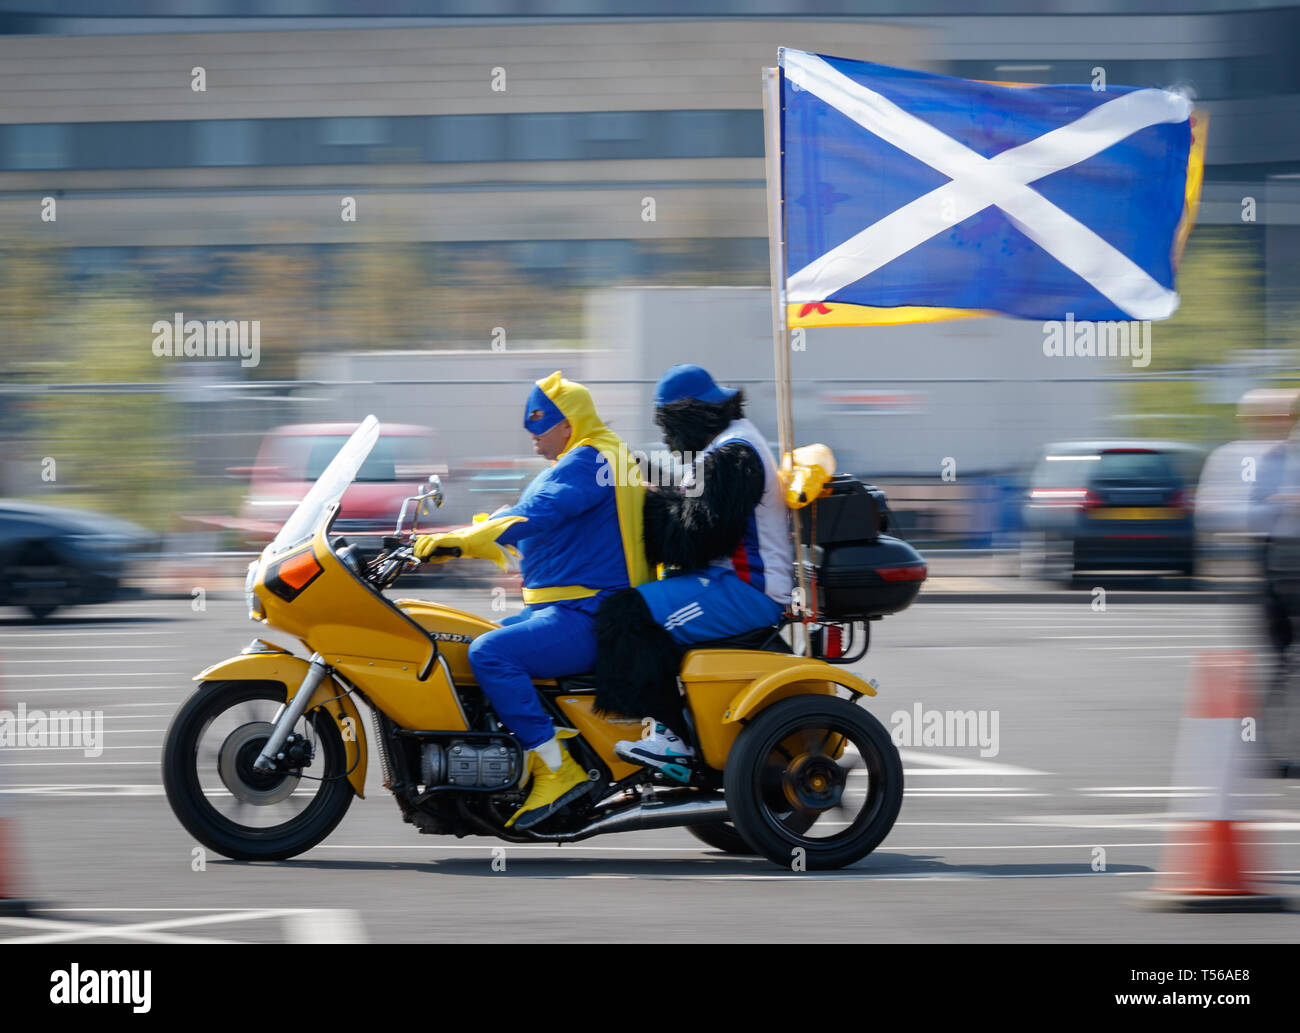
x: 540, y: 413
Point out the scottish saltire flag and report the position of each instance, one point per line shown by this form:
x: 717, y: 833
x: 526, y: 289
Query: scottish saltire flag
x: 912, y: 196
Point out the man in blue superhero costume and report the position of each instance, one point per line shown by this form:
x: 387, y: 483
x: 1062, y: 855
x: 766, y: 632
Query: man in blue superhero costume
x: 578, y: 530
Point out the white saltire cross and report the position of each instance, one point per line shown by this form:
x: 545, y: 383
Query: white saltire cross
x: 978, y: 182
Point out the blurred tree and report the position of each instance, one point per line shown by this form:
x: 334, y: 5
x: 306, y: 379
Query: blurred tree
x: 1221, y: 284
x: 376, y: 297
x: 113, y: 449
x: 281, y: 288
x: 33, y: 290
x: 686, y: 262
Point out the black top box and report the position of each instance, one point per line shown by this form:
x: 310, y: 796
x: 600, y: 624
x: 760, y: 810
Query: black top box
x: 862, y: 580
x: 852, y: 512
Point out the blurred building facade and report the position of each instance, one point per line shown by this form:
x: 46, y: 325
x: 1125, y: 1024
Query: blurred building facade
x: 542, y: 124
x: 505, y: 159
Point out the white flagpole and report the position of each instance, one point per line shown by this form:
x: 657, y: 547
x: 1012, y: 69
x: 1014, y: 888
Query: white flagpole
x: 780, y: 334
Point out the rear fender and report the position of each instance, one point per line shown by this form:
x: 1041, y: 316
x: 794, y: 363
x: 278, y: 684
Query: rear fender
x: 289, y: 671
x: 812, y: 677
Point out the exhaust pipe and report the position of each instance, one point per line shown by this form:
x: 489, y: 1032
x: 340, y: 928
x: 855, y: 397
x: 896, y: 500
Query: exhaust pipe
x: 686, y: 808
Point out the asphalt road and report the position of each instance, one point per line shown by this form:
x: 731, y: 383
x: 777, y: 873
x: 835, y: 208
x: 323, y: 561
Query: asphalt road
x: 1003, y: 847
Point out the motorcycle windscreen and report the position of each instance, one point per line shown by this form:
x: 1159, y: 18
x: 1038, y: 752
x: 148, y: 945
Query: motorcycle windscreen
x: 328, y: 489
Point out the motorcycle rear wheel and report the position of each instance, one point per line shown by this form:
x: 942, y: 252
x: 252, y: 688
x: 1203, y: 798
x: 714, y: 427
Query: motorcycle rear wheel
x: 814, y: 783
x: 190, y: 756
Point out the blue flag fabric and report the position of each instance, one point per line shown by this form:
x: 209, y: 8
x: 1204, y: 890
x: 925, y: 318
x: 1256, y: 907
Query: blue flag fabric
x: 906, y: 188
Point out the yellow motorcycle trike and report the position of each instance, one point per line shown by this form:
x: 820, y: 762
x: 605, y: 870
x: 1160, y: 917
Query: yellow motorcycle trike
x: 263, y: 760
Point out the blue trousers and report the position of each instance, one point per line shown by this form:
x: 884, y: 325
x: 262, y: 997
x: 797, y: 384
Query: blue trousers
x: 701, y: 605
x: 541, y: 642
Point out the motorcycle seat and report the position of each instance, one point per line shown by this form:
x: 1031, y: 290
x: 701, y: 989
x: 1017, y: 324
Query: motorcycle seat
x: 766, y: 639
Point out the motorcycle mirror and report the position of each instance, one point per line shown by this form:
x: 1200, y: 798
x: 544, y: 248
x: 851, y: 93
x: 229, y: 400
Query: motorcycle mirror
x: 435, y: 489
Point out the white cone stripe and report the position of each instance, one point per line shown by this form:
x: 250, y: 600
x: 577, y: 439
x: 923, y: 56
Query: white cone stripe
x: 1209, y: 754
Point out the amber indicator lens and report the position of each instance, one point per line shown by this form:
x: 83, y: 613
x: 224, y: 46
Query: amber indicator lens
x: 292, y: 574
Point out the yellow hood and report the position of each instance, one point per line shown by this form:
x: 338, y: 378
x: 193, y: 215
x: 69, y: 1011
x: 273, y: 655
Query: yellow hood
x: 575, y: 402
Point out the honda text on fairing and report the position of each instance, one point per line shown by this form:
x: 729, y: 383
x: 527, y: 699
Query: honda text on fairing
x: 264, y: 758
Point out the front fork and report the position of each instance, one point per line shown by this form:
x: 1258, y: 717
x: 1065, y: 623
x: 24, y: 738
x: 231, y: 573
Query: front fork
x: 289, y: 715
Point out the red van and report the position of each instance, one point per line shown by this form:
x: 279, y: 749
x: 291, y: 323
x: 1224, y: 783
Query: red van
x: 291, y: 458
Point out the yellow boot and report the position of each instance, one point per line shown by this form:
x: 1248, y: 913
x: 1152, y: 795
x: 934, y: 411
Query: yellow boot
x: 557, y: 780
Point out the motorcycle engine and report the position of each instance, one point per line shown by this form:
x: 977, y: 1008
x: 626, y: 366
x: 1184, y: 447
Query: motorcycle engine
x: 491, y: 765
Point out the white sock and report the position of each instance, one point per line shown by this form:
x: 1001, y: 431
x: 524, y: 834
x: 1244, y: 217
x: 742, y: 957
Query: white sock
x: 550, y: 753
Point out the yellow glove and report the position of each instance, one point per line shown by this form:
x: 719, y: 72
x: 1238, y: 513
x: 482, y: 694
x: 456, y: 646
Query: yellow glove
x: 478, y: 541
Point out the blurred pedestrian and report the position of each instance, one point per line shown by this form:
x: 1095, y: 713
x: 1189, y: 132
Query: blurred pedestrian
x: 1235, y: 496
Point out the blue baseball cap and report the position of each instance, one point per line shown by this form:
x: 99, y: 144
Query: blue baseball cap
x: 689, y: 381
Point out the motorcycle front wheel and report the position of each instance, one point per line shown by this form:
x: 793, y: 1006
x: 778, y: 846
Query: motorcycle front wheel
x: 814, y: 782
x: 224, y: 802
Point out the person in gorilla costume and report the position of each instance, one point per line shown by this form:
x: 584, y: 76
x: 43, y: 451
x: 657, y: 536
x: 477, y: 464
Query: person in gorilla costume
x: 723, y: 542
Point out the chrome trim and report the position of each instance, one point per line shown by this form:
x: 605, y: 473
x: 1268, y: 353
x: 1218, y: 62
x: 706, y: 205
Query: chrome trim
x: 316, y: 672
x: 704, y: 808
x: 259, y: 645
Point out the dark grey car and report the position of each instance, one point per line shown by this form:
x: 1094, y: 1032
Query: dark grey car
x: 1119, y: 505
x: 52, y: 557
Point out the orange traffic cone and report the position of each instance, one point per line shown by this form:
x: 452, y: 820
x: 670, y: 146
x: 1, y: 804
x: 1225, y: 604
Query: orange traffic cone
x: 10, y: 902
x: 1205, y: 864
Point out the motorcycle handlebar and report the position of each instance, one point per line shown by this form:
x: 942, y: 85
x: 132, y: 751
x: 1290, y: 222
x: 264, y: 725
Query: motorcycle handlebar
x: 396, y: 560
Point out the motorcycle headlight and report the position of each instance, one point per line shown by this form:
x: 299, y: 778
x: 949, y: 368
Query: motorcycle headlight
x: 254, y: 604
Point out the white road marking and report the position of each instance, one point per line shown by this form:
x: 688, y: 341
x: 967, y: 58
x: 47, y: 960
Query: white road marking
x: 73, y: 690
x: 100, y: 660
x: 83, y: 790
x: 105, y: 931
x: 37, y: 749
x: 1101, y: 649
x: 578, y: 848
x: 82, y: 764
x: 1068, y: 638
x: 328, y: 925
x: 87, y: 930
x: 866, y: 876
x: 72, y: 676
x: 4, y: 650
x: 961, y: 765
x: 331, y: 924
x: 69, y: 634
x: 162, y: 703
x: 1171, y: 795
x: 968, y: 793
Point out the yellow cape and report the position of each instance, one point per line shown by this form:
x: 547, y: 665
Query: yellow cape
x: 574, y: 400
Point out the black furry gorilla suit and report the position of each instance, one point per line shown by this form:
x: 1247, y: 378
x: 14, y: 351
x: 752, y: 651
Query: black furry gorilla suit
x: 637, y: 660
